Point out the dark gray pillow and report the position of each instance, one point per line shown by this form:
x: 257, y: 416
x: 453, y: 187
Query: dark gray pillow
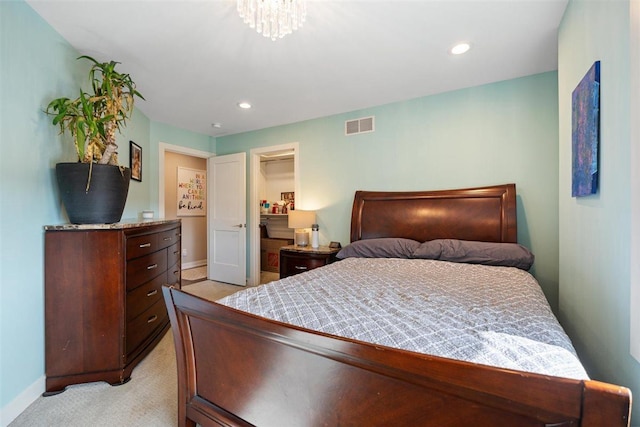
x: 389, y: 247
x: 487, y: 253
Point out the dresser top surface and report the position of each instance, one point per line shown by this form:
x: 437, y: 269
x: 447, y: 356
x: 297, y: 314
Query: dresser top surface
x: 124, y: 224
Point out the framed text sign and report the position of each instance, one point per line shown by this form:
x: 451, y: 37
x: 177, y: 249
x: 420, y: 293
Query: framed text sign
x: 192, y: 192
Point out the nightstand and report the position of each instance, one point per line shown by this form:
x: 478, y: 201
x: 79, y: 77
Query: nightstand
x: 295, y: 259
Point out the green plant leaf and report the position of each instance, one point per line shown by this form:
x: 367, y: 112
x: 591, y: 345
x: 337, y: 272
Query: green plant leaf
x: 87, y: 116
x: 80, y: 139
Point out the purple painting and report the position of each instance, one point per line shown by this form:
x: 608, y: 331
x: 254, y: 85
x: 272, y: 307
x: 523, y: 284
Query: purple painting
x: 585, y: 134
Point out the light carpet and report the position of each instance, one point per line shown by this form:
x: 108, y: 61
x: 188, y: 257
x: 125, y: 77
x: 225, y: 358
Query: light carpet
x: 268, y: 276
x: 211, y: 290
x: 198, y: 273
x: 148, y: 399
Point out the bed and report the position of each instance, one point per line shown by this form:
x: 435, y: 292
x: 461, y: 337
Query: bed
x: 237, y: 368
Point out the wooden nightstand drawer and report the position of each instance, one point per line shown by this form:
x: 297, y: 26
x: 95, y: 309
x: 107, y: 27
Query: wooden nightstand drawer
x: 296, y: 264
x: 295, y: 260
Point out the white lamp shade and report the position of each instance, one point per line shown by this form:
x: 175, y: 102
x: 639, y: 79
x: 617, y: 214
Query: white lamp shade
x: 301, y: 219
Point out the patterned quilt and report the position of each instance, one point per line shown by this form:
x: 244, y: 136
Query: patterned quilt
x: 495, y: 316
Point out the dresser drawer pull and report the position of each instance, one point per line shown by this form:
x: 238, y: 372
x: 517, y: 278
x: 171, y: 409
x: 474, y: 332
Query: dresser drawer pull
x: 176, y: 272
x: 152, y: 319
x: 176, y: 252
x: 300, y: 267
x: 167, y: 239
x: 152, y: 266
x: 152, y: 293
x: 145, y: 245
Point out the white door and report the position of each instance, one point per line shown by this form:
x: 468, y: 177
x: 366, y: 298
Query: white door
x: 227, y: 219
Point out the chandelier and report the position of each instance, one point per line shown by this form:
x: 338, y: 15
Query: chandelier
x: 273, y: 18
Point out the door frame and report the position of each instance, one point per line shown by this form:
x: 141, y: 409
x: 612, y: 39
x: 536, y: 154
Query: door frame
x: 163, y: 148
x: 254, y: 207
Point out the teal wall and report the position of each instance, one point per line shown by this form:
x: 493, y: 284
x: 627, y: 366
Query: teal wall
x: 168, y: 134
x: 493, y: 134
x: 38, y: 65
x: 594, y: 276
x: 137, y: 130
x: 29, y: 198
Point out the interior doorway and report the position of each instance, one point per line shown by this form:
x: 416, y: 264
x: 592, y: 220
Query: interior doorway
x: 170, y: 157
x: 258, y: 158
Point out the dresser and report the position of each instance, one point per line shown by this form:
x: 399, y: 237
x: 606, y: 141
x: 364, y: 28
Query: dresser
x: 104, y: 310
x: 295, y: 259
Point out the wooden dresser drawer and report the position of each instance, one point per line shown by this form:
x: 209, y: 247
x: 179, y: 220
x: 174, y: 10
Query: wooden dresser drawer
x: 173, y: 254
x: 142, y: 245
x: 168, y: 238
x: 144, y: 296
x: 142, y: 327
x: 174, y: 274
x: 143, y: 269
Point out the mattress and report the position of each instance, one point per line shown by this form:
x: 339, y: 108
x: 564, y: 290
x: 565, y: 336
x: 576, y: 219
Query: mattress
x: 495, y: 316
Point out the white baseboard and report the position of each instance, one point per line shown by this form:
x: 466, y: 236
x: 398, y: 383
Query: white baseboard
x: 194, y: 264
x: 14, y: 408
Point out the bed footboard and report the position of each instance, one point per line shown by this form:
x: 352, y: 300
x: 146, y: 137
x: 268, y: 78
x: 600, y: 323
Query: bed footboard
x: 237, y: 369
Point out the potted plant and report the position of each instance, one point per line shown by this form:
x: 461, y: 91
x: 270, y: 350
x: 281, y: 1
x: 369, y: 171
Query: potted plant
x: 94, y: 189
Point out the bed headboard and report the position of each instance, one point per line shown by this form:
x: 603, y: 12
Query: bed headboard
x: 485, y: 214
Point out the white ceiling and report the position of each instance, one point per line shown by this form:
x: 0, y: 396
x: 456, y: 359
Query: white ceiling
x: 195, y: 60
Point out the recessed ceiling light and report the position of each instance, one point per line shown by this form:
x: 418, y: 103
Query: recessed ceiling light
x: 216, y: 125
x: 460, y: 48
x: 244, y: 105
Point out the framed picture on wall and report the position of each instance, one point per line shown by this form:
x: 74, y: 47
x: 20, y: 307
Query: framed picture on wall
x: 135, y: 161
x: 287, y: 196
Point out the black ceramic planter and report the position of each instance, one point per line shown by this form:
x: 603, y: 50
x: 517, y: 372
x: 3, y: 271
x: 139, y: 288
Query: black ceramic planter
x: 104, y: 202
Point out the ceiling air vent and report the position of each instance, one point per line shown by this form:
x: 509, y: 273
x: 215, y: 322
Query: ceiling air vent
x: 363, y: 125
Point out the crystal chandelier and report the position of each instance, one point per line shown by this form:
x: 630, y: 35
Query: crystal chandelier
x: 273, y: 18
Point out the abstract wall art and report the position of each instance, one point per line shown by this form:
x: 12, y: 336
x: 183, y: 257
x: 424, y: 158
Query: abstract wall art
x: 585, y: 135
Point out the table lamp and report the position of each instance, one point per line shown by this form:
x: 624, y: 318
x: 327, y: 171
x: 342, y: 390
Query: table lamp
x: 301, y: 220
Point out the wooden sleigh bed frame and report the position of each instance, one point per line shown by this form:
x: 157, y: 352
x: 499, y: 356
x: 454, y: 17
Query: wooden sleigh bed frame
x: 237, y: 369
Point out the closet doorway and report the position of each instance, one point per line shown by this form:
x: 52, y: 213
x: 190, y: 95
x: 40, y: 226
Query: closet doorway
x: 274, y: 170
